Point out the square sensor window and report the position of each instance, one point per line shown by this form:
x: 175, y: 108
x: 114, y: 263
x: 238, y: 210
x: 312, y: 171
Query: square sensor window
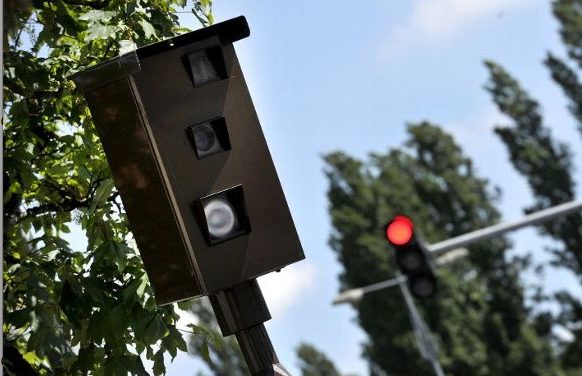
x: 206, y: 66
x: 223, y: 215
x: 209, y: 138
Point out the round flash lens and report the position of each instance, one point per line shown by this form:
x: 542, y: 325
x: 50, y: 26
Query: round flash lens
x: 220, y: 217
x: 204, y: 137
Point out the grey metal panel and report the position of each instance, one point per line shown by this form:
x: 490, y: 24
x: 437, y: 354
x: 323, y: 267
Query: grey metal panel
x: 172, y: 104
x: 116, y: 113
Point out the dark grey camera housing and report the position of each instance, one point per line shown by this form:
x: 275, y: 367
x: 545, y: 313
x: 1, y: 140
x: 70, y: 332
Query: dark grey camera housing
x: 146, y: 106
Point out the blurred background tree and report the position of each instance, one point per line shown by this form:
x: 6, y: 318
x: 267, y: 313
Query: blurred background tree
x: 482, y: 319
x: 222, y: 356
x: 479, y: 316
x: 547, y: 164
x: 313, y: 362
x: 73, y: 311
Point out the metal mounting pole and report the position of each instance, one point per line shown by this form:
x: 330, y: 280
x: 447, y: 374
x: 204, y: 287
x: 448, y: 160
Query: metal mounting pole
x: 424, y: 341
x: 492, y: 231
x: 241, y: 310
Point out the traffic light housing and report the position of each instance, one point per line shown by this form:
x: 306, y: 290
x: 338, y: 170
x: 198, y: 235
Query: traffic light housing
x: 190, y: 161
x: 412, y: 257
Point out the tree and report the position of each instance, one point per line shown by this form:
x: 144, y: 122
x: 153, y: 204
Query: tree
x: 222, y: 356
x: 547, y: 164
x: 313, y: 362
x: 515, y: 330
x: 480, y: 317
x: 73, y: 311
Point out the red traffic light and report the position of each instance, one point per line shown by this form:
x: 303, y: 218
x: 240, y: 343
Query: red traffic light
x: 400, y: 230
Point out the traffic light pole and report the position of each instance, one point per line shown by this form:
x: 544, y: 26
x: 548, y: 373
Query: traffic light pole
x: 241, y: 310
x: 424, y: 341
x: 495, y: 230
x: 354, y: 295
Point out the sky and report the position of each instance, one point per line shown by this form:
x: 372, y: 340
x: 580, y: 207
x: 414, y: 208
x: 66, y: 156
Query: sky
x: 345, y: 75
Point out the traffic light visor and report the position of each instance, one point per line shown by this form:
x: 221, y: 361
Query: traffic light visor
x: 400, y: 230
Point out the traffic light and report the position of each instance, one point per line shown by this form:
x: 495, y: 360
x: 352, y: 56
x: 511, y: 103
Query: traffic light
x: 189, y: 158
x: 412, y: 257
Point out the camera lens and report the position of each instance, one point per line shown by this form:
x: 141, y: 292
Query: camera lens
x: 204, y: 137
x: 220, y: 218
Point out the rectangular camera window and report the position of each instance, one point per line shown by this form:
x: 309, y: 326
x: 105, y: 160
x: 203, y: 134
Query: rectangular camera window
x: 206, y: 66
x: 223, y: 215
x: 209, y: 138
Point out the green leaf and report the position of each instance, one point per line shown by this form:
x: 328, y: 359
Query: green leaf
x: 159, y: 367
x: 101, y: 195
x: 174, y: 342
x: 18, y: 318
x: 95, y: 287
x: 39, y: 340
x: 135, y: 292
x: 204, y: 350
x: 155, y: 330
x: 98, y: 31
x: 116, y: 322
x: 111, y: 253
x: 147, y: 28
x: 67, y: 18
x: 184, y: 305
x: 97, y: 15
x: 123, y: 365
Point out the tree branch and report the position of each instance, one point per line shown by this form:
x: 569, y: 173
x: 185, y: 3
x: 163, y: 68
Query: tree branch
x: 34, y: 94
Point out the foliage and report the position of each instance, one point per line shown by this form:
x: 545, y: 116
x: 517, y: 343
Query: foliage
x: 568, y: 13
x: 66, y: 310
x: 547, y: 164
x: 222, y: 356
x: 480, y: 319
x: 313, y: 362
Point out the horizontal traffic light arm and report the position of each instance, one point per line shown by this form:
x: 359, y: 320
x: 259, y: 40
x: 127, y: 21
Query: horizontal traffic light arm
x: 445, y: 246
x: 545, y: 215
x: 354, y: 295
